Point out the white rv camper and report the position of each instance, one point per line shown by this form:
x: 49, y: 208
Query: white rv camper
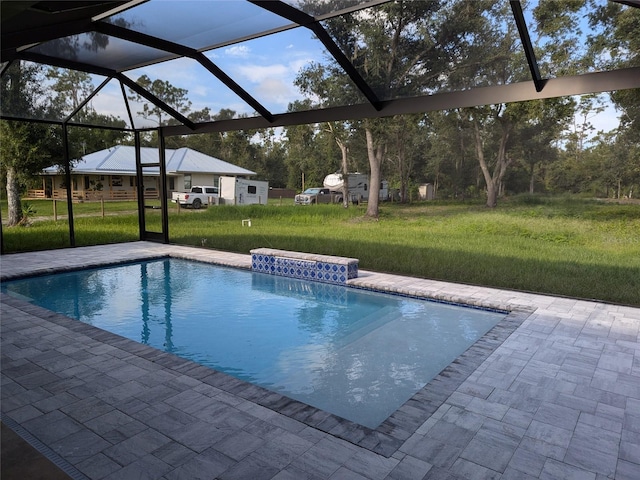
x: 242, y: 191
x: 358, y: 186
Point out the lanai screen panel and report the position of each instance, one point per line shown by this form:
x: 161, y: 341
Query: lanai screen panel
x: 372, y: 58
x: 200, y: 25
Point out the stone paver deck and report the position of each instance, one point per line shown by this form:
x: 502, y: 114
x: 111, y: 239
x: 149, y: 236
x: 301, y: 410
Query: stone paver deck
x: 553, y: 392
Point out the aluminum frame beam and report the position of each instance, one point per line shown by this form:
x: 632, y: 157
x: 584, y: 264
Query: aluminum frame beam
x: 155, y: 100
x: 47, y: 25
x: 517, y: 92
x: 304, y: 20
x: 529, y: 52
x: 183, y: 51
x: 106, y: 72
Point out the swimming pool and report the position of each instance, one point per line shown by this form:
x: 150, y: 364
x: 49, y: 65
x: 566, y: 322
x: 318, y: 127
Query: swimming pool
x: 354, y: 353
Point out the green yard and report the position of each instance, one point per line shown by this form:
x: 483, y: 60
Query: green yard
x: 564, y: 246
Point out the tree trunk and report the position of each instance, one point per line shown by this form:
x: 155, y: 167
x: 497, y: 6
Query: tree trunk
x: 619, y: 189
x: 13, y: 198
x: 459, y: 164
x: 492, y: 191
x: 493, y: 181
x: 531, y: 178
x: 375, y: 154
x: 345, y: 174
x: 492, y: 195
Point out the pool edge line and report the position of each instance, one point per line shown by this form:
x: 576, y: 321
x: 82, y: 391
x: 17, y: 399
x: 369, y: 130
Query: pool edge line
x: 385, y: 440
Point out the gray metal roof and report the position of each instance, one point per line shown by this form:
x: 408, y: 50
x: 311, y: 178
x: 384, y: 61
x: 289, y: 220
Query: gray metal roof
x: 187, y: 160
x: 121, y: 160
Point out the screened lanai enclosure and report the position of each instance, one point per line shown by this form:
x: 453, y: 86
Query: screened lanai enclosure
x: 268, y: 64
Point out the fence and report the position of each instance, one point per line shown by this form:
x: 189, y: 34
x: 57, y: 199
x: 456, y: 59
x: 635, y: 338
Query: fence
x: 90, y: 195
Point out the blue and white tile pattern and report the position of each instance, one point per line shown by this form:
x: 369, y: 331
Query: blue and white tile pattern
x: 321, y: 268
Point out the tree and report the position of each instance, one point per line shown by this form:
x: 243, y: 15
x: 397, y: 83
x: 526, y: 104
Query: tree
x: 209, y: 143
x: 310, y: 151
x: 538, y: 130
x: 26, y: 147
x: 71, y: 89
x: 24, y: 151
x: 588, y: 107
x: 616, y: 43
x: 557, y: 25
x: 483, y: 121
x: 407, y: 144
x: 450, y: 158
x: 300, y: 155
x: 339, y: 134
x: 175, y: 97
x: 376, y: 149
x: 487, y: 43
x: 394, y: 48
x: 271, y: 153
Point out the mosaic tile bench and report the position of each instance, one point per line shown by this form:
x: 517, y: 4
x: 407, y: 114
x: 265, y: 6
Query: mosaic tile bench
x: 307, y: 266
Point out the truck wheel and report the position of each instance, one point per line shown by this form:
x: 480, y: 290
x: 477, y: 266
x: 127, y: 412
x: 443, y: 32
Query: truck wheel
x: 197, y: 203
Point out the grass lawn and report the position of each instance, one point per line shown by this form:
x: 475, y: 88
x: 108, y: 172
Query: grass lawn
x: 564, y: 246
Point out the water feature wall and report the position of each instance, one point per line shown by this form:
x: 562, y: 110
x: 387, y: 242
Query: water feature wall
x: 306, y: 266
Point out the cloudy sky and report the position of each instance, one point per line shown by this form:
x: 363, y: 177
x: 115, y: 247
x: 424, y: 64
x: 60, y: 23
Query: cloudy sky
x: 265, y: 67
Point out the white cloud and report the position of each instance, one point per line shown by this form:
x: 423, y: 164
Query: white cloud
x: 199, y: 90
x: 277, y: 91
x: 272, y: 84
x: 110, y: 104
x: 238, y: 51
x: 297, y: 65
x: 257, y: 73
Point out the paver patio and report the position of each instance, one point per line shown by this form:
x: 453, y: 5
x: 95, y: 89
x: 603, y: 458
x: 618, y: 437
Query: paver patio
x: 553, y: 394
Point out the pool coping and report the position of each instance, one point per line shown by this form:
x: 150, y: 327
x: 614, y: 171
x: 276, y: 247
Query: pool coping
x: 385, y: 440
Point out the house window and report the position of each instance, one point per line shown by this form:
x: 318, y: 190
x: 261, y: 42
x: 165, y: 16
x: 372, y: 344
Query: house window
x: 86, y: 182
x: 187, y: 181
x: 116, y: 181
x: 132, y: 181
x: 251, y: 189
x: 172, y: 183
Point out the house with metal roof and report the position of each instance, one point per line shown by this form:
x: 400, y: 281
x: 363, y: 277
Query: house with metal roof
x: 110, y: 174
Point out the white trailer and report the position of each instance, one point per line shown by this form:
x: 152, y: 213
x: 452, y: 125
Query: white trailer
x: 242, y: 191
x: 358, y: 186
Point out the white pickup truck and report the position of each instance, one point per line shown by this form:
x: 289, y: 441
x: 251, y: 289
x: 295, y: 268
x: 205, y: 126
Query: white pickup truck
x: 196, y: 197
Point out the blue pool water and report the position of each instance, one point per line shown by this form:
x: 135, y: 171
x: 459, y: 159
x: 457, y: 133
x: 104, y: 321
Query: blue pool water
x: 354, y: 353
